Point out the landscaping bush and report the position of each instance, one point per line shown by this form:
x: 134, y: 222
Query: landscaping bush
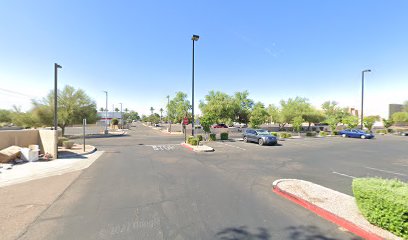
x: 68, y: 144
x: 61, y: 140
x: 383, y: 203
x: 323, y: 134
x: 274, y: 134
x: 115, y: 121
x: 383, y: 131
x: 212, y: 137
x: 200, y: 137
x: 335, y: 132
x: 285, y: 135
x: 224, y: 136
x: 310, y: 134
x: 193, y: 140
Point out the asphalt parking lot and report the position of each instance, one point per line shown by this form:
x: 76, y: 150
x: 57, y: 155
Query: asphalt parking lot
x: 331, y: 161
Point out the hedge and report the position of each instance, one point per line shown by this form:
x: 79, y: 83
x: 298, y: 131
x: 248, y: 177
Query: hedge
x: 212, y: 137
x: 285, y: 135
x: 383, y: 203
x: 200, y: 137
x: 224, y: 136
x: 323, y: 134
x: 335, y: 132
x: 61, y: 140
x: 193, y: 140
x: 383, y: 131
x: 310, y: 134
x: 274, y: 134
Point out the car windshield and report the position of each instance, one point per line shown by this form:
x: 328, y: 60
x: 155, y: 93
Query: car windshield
x: 262, y: 132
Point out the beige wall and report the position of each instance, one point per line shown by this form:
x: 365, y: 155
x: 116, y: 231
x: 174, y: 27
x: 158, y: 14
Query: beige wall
x: 46, y: 139
x: 21, y: 138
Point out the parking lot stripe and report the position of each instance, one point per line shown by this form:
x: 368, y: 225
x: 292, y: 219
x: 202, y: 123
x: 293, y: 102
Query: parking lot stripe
x: 342, y: 174
x: 386, y: 171
x: 243, y: 149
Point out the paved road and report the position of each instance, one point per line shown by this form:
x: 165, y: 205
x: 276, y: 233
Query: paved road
x: 146, y: 186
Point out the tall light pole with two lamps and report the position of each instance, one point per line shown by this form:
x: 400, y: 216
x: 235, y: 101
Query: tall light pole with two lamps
x: 194, y: 38
x: 362, y: 97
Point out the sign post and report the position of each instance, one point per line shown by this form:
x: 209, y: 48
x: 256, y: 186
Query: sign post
x: 84, y: 125
x: 185, y: 122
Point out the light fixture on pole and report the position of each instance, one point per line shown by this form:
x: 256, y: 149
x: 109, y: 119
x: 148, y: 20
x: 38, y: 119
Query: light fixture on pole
x: 362, y: 97
x: 121, y: 116
x: 194, y: 38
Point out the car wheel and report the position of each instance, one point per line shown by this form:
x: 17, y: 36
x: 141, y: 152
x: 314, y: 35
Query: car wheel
x: 260, y: 142
x: 245, y: 139
x: 344, y: 135
x: 363, y: 136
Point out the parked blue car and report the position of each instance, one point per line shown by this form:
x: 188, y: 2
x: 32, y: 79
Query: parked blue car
x: 355, y: 133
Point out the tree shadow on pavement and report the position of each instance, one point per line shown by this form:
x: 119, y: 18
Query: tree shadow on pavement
x: 241, y: 233
x: 309, y: 233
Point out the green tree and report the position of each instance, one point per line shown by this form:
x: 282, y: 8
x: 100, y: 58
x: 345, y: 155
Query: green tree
x: 275, y: 116
x: 178, y: 107
x: 400, y: 117
x: 293, y: 108
x: 350, y: 121
x: 259, y: 115
x: 73, y: 106
x: 101, y: 109
x: 297, y: 123
x: 131, y: 116
x: 5, y: 116
x: 387, y: 123
x: 24, y: 119
x: 151, y: 110
x: 117, y: 110
x: 242, y: 107
x: 405, y: 107
x: 333, y: 122
x: 161, y: 113
x: 313, y: 116
x: 330, y: 108
x: 220, y: 106
x: 370, y: 120
x: 126, y: 110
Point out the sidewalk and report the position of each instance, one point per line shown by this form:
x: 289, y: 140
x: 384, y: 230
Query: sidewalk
x: 68, y: 162
x: 331, y: 205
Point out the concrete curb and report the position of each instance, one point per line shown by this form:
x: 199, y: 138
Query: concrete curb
x: 202, y: 148
x: 351, y: 226
x: 70, y: 155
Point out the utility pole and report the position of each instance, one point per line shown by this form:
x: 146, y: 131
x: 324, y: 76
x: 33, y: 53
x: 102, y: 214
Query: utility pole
x: 106, y: 113
x: 168, y: 118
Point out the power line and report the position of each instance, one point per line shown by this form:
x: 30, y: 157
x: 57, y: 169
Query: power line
x: 11, y: 93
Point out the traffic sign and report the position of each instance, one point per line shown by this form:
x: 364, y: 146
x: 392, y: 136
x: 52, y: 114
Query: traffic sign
x: 185, y: 121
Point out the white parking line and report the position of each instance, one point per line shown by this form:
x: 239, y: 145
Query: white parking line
x: 243, y: 149
x: 167, y: 147
x: 386, y: 171
x: 342, y: 174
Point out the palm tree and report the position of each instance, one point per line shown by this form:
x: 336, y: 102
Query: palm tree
x: 151, y: 110
x: 116, y: 109
x: 101, y: 109
x: 126, y: 110
x: 161, y: 113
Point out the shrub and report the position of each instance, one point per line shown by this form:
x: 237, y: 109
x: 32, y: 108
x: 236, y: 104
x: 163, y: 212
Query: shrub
x: 310, y: 134
x: 193, y: 140
x: 61, y: 140
x: 212, y: 137
x: 383, y: 203
x: 200, y: 137
x: 115, y: 121
x: 323, y: 133
x: 224, y: 136
x: 285, y: 135
x: 383, y: 131
x: 274, y: 134
x: 68, y: 144
x: 335, y: 132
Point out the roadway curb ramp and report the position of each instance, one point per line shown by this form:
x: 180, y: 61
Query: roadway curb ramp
x: 331, y: 205
x: 202, y: 148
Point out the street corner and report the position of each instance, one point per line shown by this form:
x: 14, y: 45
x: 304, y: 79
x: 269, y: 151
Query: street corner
x: 27, y: 171
x: 201, y: 148
x: 331, y: 205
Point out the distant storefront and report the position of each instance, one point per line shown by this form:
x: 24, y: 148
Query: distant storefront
x: 109, y: 116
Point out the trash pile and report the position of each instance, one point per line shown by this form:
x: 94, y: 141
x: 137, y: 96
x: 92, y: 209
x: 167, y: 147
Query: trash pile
x: 16, y: 154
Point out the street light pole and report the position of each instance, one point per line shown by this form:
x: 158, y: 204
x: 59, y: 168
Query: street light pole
x: 194, y: 38
x: 121, y: 116
x: 106, y: 113
x: 56, y: 66
x: 362, y: 97
x: 168, y: 119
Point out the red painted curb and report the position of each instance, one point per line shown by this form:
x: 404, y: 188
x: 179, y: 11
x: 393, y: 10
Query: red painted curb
x: 327, y: 215
x: 187, y: 146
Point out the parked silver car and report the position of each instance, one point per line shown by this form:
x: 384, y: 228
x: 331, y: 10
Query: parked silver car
x: 260, y: 136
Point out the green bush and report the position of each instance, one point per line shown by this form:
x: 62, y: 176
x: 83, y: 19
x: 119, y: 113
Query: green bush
x: 285, y: 135
x: 115, y: 121
x: 224, y: 136
x: 323, y: 134
x: 192, y: 140
x: 67, y: 144
x: 274, y: 134
x: 310, y: 134
x: 384, y: 131
x: 335, y: 132
x: 61, y: 140
x: 212, y: 137
x: 383, y: 203
x: 200, y: 137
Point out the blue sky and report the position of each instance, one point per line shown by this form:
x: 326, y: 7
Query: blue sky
x: 140, y: 51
